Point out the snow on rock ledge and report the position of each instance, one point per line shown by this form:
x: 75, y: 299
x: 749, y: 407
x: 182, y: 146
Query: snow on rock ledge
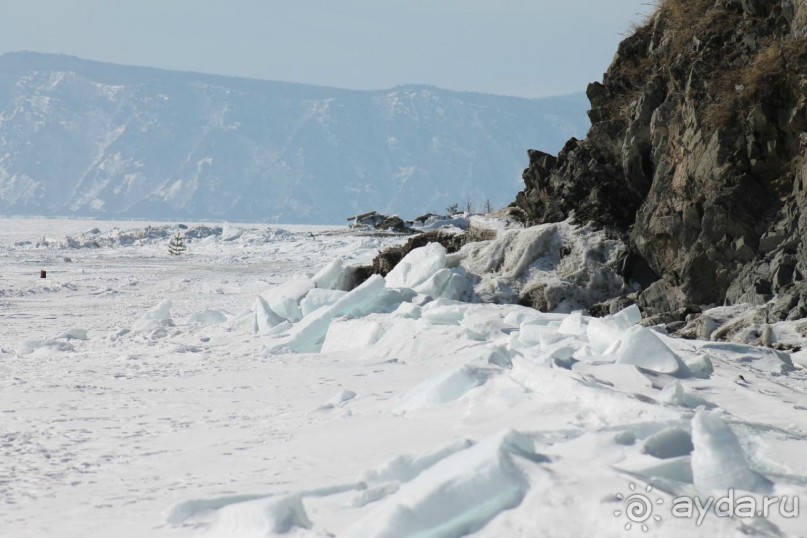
x: 557, y: 267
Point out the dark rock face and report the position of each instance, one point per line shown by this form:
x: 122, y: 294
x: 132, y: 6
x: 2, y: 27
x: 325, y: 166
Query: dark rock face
x: 698, y: 153
x: 393, y: 223
x: 380, y: 222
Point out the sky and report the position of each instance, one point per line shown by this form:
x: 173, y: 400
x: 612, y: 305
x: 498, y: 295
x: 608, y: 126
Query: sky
x: 528, y: 48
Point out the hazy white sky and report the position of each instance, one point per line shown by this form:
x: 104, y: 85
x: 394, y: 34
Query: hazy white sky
x: 515, y: 47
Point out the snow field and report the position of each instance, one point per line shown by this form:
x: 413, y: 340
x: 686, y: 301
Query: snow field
x: 298, y: 408
x: 598, y: 374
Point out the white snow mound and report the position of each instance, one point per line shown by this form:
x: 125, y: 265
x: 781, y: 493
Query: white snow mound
x: 261, y: 518
x: 444, y: 388
x: 718, y: 461
x: 457, y: 496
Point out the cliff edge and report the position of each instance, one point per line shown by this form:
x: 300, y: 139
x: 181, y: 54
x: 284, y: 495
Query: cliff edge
x: 696, y: 156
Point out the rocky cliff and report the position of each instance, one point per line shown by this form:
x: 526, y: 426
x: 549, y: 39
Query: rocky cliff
x: 696, y: 156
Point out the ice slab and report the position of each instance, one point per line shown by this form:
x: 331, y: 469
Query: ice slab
x: 161, y: 312
x: 718, y: 461
x: 563, y: 350
x: 417, y: 266
x: 443, y: 312
x: 700, y: 365
x: 230, y: 232
x: 285, y: 298
x: 408, y: 310
x: 626, y: 377
x: 628, y: 317
x: 265, y: 317
x: 319, y: 297
x: 641, y: 347
x: 530, y: 335
x: 444, y: 388
x: 158, y: 317
x: 457, y: 496
x: 351, y: 334
x: 309, y: 334
x: 602, y: 333
x: 333, y: 276
x: 391, y: 298
x: 447, y: 283
x: 521, y: 315
x: 287, y: 308
x: 245, y: 321
x: 405, y: 467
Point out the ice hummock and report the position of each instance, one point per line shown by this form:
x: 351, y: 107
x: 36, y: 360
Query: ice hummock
x: 718, y: 460
x: 417, y: 266
x: 458, y: 495
x: 604, y: 372
x: 377, y: 423
x: 641, y: 347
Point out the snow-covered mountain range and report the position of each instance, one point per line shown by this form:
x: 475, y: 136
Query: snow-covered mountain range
x: 92, y: 139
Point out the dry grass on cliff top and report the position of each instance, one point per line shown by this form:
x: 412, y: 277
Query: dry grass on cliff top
x: 735, y: 91
x: 683, y: 18
x: 679, y: 18
x: 682, y: 12
x: 736, y: 82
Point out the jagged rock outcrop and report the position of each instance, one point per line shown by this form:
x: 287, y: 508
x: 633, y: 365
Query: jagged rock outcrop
x: 697, y: 154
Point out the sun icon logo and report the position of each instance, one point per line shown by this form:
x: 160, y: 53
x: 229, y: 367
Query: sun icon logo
x: 638, y: 508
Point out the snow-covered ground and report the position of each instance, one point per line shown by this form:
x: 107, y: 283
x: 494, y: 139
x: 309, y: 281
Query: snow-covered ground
x: 240, y: 390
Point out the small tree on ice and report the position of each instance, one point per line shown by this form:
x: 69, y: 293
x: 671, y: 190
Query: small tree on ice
x: 177, y: 245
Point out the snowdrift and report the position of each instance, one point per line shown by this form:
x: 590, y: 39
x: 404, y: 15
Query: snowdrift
x: 248, y: 389
x: 604, y: 394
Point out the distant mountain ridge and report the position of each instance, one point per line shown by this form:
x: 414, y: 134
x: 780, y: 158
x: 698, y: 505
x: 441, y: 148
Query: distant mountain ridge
x: 85, y: 138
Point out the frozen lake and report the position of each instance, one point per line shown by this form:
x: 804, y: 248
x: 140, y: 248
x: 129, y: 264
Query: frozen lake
x: 400, y: 415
